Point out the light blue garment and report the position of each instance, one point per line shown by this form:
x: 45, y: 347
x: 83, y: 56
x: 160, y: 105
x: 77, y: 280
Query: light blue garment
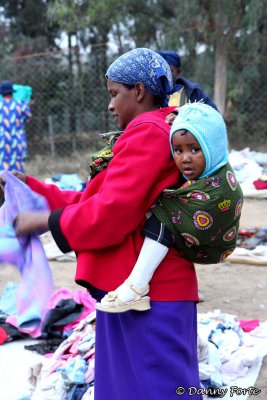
x: 75, y: 371
x: 208, y: 127
x: 68, y: 182
x: 215, y: 362
x: 8, y: 298
x: 144, y: 66
x: 26, y: 252
x: 23, y: 93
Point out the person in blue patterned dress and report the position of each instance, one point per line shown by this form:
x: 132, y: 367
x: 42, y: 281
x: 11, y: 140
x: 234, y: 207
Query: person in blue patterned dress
x: 13, y: 115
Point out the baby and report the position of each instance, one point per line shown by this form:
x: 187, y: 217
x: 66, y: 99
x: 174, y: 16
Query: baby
x: 200, y: 218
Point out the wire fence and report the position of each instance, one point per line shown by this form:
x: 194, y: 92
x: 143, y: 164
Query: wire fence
x: 70, y: 103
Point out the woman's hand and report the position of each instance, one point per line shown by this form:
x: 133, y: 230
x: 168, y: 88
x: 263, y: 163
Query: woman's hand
x: 19, y: 175
x: 2, y: 190
x: 2, y: 194
x: 2, y: 182
x: 31, y: 222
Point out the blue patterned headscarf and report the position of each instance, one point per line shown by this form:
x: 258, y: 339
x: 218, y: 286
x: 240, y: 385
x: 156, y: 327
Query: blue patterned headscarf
x: 144, y: 66
x: 208, y: 127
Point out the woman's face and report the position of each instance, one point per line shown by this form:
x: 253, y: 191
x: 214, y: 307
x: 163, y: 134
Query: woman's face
x: 123, y: 103
x: 188, y: 155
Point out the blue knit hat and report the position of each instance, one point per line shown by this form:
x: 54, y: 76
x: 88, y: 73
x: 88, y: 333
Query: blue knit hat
x: 208, y: 127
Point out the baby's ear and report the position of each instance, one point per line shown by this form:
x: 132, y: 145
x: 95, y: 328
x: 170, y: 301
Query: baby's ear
x: 170, y: 118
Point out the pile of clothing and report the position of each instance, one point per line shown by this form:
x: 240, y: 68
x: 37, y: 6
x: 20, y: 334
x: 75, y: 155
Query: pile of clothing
x: 252, y: 237
x: 250, y: 168
x: 228, y: 350
x: 68, y: 373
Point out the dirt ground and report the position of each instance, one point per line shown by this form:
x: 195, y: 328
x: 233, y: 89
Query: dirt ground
x: 233, y: 288
x: 239, y: 289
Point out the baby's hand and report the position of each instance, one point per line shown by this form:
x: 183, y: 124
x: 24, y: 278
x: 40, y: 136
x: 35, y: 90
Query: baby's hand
x: 170, y: 118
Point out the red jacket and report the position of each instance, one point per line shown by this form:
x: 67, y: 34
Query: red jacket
x: 103, y: 224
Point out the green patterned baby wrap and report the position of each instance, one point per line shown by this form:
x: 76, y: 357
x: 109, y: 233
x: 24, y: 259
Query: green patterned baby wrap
x: 102, y: 158
x: 203, y: 217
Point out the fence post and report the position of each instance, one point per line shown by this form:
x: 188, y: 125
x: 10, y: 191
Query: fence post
x: 51, y: 136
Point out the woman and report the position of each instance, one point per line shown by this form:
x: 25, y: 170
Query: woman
x: 150, y: 355
x: 13, y: 115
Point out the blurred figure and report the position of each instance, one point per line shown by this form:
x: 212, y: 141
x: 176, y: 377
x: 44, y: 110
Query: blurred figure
x: 189, y: 91
x: 13, y: 115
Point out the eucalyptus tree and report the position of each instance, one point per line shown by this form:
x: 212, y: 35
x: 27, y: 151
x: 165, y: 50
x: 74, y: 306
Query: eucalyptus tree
x: 205, y: 26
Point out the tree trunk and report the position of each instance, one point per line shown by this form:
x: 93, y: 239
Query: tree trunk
x: 80, y: 106
x: 220, y: 83
x: 72, y: 105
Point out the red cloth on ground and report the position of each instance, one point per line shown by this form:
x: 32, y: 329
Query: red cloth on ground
x: 260, y: 184
x: 3, y: 336
x: 248, y: 325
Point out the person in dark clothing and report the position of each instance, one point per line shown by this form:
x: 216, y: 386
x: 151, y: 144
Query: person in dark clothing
x: 188, y: 91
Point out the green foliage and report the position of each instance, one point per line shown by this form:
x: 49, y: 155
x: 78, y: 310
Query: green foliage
x: 28, y: 19
x: 70, y: 15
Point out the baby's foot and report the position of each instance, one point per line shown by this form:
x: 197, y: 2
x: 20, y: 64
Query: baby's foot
x: 126, y: 297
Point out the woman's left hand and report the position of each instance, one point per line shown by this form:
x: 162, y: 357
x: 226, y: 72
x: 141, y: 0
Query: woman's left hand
x: 31, y: 222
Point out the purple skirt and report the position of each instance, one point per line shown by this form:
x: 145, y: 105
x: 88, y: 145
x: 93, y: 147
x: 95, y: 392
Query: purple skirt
x: 150, y: 355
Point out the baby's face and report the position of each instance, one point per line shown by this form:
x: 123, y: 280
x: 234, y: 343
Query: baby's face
x: 188, y: 155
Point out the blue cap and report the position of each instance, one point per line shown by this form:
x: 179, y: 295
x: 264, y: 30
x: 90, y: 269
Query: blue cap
x: 6, y: 88
x: 171, y: 57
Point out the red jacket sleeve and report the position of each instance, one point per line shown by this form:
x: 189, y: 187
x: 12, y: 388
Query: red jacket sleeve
x: 56, y: 198
x: 141, y: 168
